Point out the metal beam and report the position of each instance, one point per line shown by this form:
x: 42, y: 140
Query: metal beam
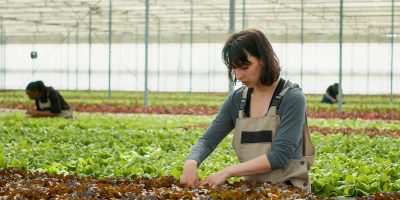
x: 368, y: 46
x: 391, y: 54
x: 2, y: 68
x: 77, y: 55
x: 340, y: 56
x: 191, y: 47
x: 68, y: 57
x: 231, y: 30
x: 109, y: 47
x: 302, y: 43
x: 244, y: 14
x: 146, y: 58
x: 90, y: 50
x: 158, y: 53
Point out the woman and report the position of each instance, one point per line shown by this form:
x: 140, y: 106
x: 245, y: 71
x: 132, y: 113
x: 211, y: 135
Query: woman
x: 268, y: 114
x: 49, y: 102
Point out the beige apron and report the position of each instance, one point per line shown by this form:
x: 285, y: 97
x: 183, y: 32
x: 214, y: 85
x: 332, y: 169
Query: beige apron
x: 64, y: 113
x: 254, y: 137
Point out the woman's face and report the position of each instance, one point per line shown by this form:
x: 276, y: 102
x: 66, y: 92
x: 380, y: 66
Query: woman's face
x: 33, y: 94
x: 249, y: 74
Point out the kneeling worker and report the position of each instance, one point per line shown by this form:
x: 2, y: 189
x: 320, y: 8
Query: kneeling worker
x: 49, y: 102
x: 331, y: 93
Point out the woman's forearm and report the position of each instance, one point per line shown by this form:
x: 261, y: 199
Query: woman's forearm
x: 255, y: 166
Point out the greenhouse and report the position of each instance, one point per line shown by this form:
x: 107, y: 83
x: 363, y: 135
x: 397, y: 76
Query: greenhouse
x: 114, y: 99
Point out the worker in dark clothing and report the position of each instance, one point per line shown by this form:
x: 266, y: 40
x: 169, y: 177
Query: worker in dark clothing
x: 331, y: 93
x: 49, y: 102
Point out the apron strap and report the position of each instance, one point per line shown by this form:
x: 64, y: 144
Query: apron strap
x: 276, y: 102
x: 242, y: 104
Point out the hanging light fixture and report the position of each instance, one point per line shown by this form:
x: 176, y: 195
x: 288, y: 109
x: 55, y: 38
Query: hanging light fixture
x: 34, y: 54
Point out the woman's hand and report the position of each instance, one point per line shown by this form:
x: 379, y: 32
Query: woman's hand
x: 255, y: 166
x: 190, y: 175
x: 217, y: 178
x: 35, y: 113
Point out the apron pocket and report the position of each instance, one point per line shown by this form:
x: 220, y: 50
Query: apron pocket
x: 256, y: 137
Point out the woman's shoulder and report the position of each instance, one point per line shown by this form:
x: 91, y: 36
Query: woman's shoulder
x: 294, y: 94
x: 51, y: 92
x: 50, y: 89
x: 292, y: 102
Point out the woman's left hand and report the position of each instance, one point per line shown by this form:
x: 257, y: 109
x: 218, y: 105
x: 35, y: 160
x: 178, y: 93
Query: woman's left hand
x: 217, y: 178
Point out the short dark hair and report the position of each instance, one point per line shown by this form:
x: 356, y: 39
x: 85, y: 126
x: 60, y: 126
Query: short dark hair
x: 254, y: 42
x: 36, y: 86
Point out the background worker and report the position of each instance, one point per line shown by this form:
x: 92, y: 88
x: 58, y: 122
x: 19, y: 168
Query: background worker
x: 331, y: 93
x: 48, y: 101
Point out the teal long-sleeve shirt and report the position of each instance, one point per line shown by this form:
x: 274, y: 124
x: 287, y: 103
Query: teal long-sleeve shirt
x: 288, y: 140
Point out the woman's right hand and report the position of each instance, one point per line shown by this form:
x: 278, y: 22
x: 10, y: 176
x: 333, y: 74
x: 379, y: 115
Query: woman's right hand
x: 190, y: 175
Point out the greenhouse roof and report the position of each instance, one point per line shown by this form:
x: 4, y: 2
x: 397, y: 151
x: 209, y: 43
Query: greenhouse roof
x: 52, y: 21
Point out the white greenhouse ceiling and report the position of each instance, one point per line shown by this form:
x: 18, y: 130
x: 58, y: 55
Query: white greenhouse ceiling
x: 56, y: 21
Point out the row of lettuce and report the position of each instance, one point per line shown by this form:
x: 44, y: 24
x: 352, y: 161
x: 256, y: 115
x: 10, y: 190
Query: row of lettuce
x: 156, y: 146
x: 377, y: 103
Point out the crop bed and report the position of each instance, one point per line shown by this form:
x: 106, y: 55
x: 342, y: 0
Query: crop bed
x: 211, y: 110
x: 130, y: 156
x: 20, y: 184
x: 354, y: 157
x: 367, y: 107
x: 371, y: 132
x: 33, y: 185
